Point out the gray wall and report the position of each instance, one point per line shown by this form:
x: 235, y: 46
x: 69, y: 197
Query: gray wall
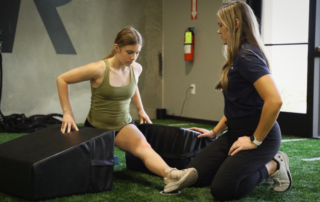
x: 203, y: 71
x: 30, y: 71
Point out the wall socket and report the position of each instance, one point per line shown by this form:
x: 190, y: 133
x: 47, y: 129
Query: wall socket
x: 193, y: 88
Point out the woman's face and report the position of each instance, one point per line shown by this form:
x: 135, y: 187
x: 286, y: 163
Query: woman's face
x: 223, y: 31
x: 128, y: 54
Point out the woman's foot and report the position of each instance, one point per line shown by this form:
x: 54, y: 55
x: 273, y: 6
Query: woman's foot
x: 282, y: 177
x: 176, y: 180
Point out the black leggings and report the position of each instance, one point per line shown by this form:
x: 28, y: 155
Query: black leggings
x: 233, y: 177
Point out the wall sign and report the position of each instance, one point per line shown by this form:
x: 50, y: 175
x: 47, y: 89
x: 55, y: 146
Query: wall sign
x: 194, y: 9
x: 9, y: 12
x: 54, y: 25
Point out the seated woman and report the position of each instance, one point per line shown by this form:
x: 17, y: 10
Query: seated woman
x: 113, y: 85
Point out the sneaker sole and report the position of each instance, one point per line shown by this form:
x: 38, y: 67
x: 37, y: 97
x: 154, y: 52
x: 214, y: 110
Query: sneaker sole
x: 185, y: 181
x: 286, y: 159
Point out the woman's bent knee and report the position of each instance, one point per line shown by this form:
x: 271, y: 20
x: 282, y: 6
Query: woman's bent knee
x: 144, y: 145
x: 222, y: 193
x: 141, y: 148
x: 215, y: 192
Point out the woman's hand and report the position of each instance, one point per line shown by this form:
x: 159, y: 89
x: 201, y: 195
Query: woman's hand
x: 68, y: 122
x: 243, y: 143
x: 144, y: 118
x: 204, y: 132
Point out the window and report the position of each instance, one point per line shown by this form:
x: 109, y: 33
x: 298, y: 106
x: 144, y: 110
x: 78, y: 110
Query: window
x: 284, y: 30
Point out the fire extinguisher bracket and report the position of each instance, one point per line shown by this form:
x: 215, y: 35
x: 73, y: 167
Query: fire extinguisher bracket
x: 189, y: 44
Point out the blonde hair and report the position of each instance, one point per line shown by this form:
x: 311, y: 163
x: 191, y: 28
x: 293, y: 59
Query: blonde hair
x: 127, y: 36
x: 248, y: 29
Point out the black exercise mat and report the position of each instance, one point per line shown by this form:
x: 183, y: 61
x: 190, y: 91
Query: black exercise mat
x: 48, y: 164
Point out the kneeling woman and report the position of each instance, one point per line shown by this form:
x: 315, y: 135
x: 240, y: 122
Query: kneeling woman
x: 113, y: 85
x: 247, y: 153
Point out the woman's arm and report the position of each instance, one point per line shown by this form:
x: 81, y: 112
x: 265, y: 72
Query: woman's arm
x: 138, y: 103
x: 220, y: 127
x: 136, y: 99
x: 92, y: 72
x: 268, y: 91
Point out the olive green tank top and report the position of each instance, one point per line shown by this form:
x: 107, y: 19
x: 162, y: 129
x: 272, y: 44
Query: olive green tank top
x: 110, y: 106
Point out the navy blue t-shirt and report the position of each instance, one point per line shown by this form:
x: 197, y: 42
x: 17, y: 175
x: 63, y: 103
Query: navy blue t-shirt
x: 241, y: 98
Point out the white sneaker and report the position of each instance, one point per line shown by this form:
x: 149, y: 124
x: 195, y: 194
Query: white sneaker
x: 282, y: 177
x: 179, y: 179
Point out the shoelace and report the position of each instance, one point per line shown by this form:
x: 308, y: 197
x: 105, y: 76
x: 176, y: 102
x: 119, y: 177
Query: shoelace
x: 277, y: 179
x: 169, y: 171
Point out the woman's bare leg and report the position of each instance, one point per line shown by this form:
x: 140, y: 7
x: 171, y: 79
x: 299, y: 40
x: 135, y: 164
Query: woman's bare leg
x: 130, y: 139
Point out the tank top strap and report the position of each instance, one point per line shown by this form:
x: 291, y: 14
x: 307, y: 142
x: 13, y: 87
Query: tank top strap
x: 106, y: 74
x: 132, y: 75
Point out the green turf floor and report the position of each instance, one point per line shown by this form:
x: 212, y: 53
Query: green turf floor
x: 134, y: 186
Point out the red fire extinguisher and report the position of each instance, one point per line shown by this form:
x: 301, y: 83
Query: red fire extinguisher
x: 188, y: 44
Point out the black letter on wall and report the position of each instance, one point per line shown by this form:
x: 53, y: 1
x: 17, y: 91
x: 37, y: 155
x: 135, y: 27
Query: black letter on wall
x: 54, y: 25
x: 9, y: 11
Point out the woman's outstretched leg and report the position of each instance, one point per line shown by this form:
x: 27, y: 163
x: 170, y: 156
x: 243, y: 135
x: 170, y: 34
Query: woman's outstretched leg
x: 130, y: 139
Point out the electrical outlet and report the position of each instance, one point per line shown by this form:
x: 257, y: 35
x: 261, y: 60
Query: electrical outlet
x: 193, y: 88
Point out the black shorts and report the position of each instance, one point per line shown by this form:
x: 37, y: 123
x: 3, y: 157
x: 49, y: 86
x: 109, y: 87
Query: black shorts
x: 87, y: 124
